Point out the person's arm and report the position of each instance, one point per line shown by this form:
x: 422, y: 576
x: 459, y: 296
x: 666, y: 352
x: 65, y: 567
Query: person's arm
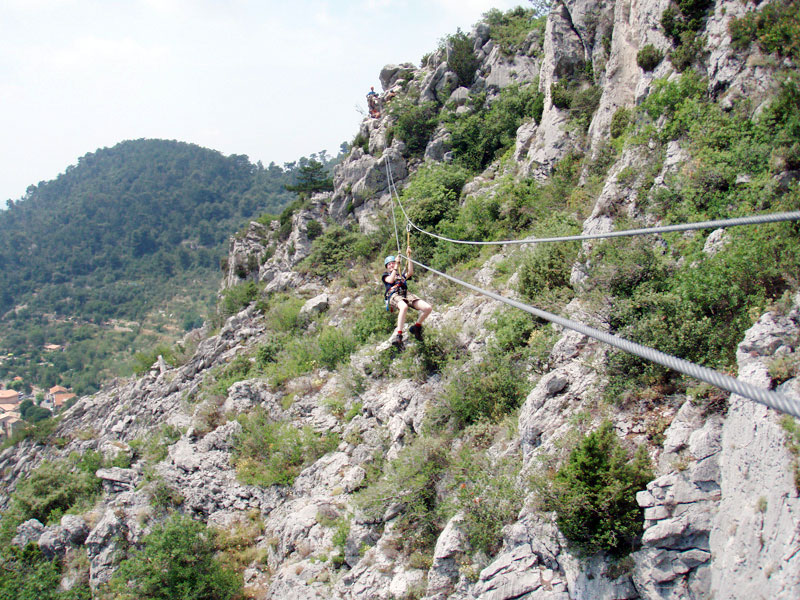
x: 392, y: 276
x: 410, y: 267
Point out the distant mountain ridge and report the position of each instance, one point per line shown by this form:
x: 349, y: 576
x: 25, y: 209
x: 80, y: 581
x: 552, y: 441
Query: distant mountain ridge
x: 118, y: 236
x: 142, y: 208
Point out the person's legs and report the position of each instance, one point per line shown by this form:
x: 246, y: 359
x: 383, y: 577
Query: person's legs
x: 402, y: 309
x: 424, y: 310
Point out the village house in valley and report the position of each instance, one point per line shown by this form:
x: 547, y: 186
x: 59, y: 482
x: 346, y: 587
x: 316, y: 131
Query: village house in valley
x: 10, y: 419
x: 57, y: 396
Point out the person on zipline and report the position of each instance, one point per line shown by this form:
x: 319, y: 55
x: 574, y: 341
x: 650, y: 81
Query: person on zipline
x: 397, y: 296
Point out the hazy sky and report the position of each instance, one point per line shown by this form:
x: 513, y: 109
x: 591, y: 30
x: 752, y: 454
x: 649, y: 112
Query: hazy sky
x: 275, y: 80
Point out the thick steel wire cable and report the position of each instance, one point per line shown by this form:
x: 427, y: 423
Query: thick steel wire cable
x: 721, y: 223
x: 772, y: 399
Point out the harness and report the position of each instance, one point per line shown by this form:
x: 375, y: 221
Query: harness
x: 397, y: 288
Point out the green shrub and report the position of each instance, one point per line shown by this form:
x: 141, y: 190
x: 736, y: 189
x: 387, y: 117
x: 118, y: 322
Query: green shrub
x: 619, y: 122
x: 688, y: 51
x: 594, y: 494
x: 513, y: 329
x: 584, y: 105
x: 29, y: 575
x: 237, y: 297
x: 237, y: 370
x: 283, y: 313
x: 414, y: 123
x: 699, y: 313
x: 478, y: 138
x: 411, y: 479
x: 561, y: 93
x: 285, y: 218
x: 142, y: 361
x: 486, y: 391
x: 55, y: 487
x: 177, y: 560
x: 300, y: 355
x: 784, y: 367
x: 776, y: 28
x: 153, y: 448
x: 438, y: 348
x: 578, y: 97
x: 684, y: 16
x: 336, y: 249
x: 374, y: 320
x: 461, y: 57
x: 671, y: 97
x: 489, y: 495
x: 313, y: 230
x: 649, y: 57
x: 545, y: 272
x: 792, y: 431
x: 432, y: 196
x: 163, y: 496
x: 361, y: 141
x: 510, y: 29
x: 335, y: 346
x: 268, y: 453
x: 267, y: 352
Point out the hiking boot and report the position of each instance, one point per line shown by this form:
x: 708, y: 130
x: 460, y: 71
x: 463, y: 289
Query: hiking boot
x: 396, y: 339
x: 416, y: 331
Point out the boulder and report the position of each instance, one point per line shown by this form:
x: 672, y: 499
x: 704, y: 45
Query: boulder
x: 315, y: 305
x: 27, y: 532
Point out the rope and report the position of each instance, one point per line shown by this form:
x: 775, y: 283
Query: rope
x: 390, y: 180
x: 772, y: 399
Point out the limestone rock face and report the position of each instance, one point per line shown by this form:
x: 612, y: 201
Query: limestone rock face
x: 29, y: 531
x: 721, y: 516
x: 391, y: 73
x: 679, y: 508
x: 363, y: 177
x: 754, y: 533
x: 245, y: 253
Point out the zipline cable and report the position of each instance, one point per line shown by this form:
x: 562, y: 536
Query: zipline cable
x: 772, y: 399
x: 720, y: 223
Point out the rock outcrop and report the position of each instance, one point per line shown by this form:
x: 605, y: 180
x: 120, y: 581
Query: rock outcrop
x: 722, y: 513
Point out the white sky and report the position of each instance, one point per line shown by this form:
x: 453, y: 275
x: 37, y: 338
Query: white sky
x: 274, y: 80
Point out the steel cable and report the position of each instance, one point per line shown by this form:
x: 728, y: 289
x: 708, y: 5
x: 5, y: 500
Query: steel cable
x: 720, y: 223
x: 776, y: 400
x: 772, y: 399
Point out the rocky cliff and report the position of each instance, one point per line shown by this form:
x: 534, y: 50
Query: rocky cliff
x: 722, y: 512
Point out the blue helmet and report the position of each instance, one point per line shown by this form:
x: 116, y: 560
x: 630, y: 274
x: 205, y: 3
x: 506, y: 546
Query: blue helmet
x: 389, y: 259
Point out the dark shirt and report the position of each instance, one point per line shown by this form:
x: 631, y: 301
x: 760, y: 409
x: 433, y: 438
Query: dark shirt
x: 400, y: 282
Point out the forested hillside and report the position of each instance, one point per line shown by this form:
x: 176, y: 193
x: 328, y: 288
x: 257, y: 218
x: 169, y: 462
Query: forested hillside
x: 117, y: 236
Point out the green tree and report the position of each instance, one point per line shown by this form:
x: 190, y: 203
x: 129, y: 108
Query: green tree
x: 311, y: 178
x: 461, y: 57
x: 594, y: 494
